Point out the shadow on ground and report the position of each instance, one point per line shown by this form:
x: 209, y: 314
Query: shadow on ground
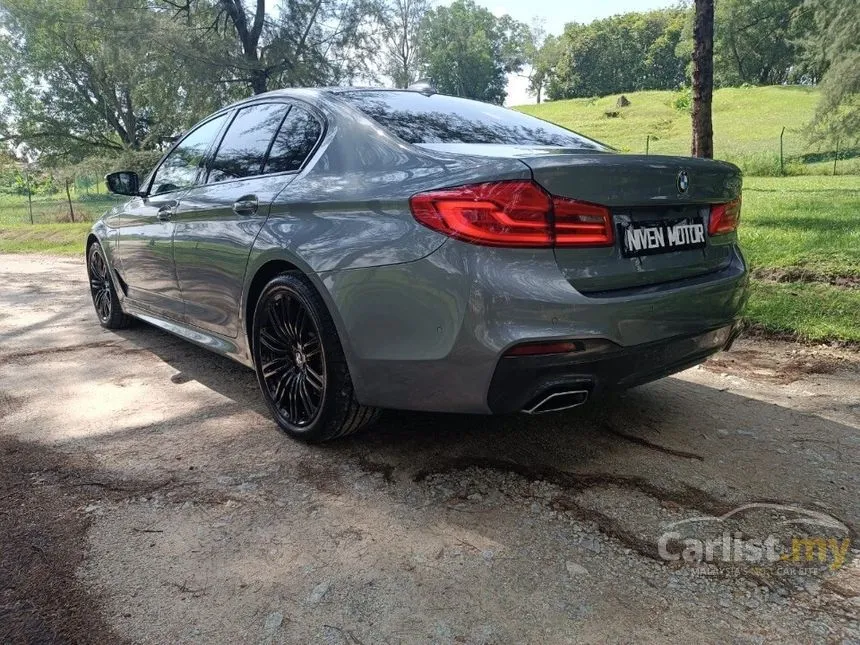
x: 679, y: 441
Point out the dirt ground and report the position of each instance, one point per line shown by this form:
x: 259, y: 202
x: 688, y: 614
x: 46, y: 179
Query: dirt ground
x: 145, y: 496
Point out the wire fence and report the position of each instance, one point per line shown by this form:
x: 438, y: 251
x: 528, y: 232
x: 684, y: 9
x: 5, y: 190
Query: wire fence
x: 78, y: 199
x: 84, y: 201
x: 788, y: 155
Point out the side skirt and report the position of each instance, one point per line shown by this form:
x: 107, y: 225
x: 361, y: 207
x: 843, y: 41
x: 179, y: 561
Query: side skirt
x: 218, y: 344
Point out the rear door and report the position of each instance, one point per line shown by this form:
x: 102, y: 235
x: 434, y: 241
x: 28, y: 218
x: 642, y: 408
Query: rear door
x: 217, y: 222
x: 146, y: 226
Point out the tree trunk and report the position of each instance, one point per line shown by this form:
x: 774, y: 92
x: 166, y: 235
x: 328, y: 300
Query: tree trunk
x: 703, y: 79
x: 69, y: 197
x: 259, y: 81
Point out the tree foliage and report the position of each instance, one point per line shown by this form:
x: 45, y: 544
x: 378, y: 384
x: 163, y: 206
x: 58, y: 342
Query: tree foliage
x: 81, y: 76
x: 833, y: 46
x: 118, y: 79
x: 467, y: 51
x: 304, y: 43
x: 756, y: 41
x: 625, y: 53
x: 542, y: 64
x: 400, y: 56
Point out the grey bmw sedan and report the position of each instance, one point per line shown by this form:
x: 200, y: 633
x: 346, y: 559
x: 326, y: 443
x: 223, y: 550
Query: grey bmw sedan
x: 365, y: 249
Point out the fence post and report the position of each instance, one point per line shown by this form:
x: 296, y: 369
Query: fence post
x: 29, y: 195
x: 69, y: 197
x: 836, y: 156
x: 781, y: 171
x: 647, y: 144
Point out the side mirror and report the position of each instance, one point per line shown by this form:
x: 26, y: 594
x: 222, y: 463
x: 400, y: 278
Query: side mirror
x: 123, y: 183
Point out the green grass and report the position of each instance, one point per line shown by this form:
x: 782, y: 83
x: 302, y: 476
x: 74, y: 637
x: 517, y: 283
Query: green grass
x: 747, y: 124
x: 63, y: 239
x: 806, y: 222
x: 807, y: 226
x: 809, y: 311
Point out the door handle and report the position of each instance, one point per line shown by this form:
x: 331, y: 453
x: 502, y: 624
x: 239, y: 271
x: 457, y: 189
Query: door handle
x: 246, y: 205
x: 166, y: 212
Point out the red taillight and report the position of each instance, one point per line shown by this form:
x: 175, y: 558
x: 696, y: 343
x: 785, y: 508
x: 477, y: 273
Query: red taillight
x: 503, y: 213
x: 581, y: 223
x: 512, y: 213
x: 725, y: 217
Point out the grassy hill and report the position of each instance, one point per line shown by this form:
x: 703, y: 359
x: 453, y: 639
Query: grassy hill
x: 747, y: 123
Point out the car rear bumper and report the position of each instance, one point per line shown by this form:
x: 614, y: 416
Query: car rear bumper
x: 430, y: 335
x: 523, y: 383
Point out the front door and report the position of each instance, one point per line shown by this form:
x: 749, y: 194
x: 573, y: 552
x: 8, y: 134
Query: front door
x: 146, y: 225
x: 146, y: 253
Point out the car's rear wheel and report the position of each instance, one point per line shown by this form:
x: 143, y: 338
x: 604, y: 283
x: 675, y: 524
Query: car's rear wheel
x: 300, y: 363
x: 105, y: 299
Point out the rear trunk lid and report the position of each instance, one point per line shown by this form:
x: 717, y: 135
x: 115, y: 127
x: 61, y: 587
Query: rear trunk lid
x: 649, y: 197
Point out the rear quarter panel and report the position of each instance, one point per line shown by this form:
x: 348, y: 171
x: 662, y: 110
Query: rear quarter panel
x: 349, y: 207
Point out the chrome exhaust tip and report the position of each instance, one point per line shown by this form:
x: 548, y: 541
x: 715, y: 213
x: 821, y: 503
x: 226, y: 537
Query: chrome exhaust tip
x: 557, y: 401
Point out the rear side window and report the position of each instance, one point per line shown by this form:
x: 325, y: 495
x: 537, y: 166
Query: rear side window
x: 246, y: 142
x: 294, y: 142
x: 417, y: 118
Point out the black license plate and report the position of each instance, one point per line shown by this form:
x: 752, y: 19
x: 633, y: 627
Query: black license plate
x: 664, y: 236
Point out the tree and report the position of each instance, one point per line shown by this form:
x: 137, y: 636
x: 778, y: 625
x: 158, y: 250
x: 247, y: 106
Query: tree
x: 80, y: 78
x: 756, y: 41
x: 467, y: 50
x: 308, y: 42
x: 400, y: 41
x: 625, y: 53
x: 530, y: 42
x: 703, y: 79
x: 833, y: 47
x: 542, y: 66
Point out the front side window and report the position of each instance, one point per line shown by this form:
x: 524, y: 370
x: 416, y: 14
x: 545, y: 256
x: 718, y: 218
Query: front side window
x: 294, y: 142
x: 244, y: 146
x: 417, y: 118
x: 180, y: 167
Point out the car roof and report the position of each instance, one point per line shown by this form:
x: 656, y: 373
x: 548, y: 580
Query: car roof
x: 341, y: 89
x: 333, y: 89
x: 312, y: 92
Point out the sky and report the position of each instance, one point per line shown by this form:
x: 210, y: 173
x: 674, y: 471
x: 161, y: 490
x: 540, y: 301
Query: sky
x: 554, y: 14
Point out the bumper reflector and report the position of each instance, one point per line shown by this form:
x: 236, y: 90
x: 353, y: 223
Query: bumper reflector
x: 545, y: 347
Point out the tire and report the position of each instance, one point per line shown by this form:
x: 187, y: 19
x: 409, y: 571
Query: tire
x: 105, y: 299
x: 300, y: 364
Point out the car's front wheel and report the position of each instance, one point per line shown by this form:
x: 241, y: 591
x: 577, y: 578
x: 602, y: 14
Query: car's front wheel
x: 300, y: 363
x: 105, y: 299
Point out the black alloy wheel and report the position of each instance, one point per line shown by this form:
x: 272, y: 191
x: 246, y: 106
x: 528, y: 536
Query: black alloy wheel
x: 300, y: 364
x: 292, y: 360
x: 104, y: 295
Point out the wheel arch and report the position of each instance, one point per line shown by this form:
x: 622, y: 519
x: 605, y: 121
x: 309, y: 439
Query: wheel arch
x: 273, y: 266
x: 262, y: 276
x: 107, y: 249
x: 91, y: 239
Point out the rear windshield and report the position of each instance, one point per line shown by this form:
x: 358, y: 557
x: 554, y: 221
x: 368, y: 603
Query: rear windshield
x: 417, y: 118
